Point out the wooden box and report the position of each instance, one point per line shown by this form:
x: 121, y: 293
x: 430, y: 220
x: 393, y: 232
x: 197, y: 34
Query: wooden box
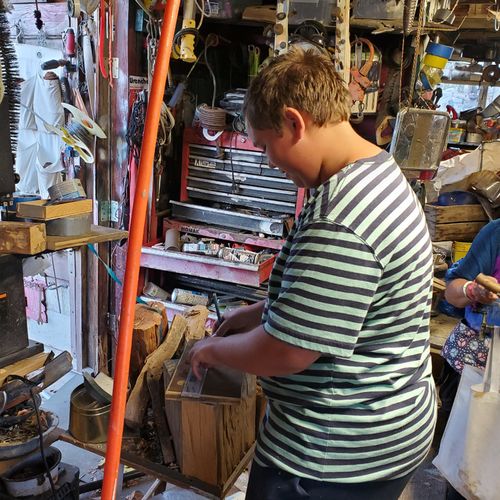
x: 216, y: 437
x: 25, y: 238
x: 454, y: 222
x: 212, y: 439
x: 40, y: 211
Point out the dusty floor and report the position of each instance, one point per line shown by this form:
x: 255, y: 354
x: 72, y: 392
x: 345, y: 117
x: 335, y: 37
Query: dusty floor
x: 426, y: 484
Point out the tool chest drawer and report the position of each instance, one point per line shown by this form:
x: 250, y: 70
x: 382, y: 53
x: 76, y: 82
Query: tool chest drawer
x: 155, y: 257
x: 231, y: 171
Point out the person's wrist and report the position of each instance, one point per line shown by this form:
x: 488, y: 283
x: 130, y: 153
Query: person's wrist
x: 467, y: 291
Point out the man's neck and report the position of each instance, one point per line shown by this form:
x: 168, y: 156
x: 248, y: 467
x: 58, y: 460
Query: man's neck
x: 341, y: 146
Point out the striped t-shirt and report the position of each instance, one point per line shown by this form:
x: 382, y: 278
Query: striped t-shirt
x: 353, y: 281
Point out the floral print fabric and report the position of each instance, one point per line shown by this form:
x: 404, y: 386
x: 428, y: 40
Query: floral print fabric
x: 464, y: 346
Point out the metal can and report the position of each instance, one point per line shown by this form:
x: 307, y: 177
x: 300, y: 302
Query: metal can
x: 189, y: 297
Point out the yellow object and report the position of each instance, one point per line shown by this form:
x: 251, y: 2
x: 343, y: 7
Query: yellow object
x: 187, y: 42
x: 460, y: 249
x: 435, y: 61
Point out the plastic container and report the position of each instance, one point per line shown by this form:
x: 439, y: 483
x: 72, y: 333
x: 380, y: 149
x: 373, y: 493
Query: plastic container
x: 439, y: 50
x: 430, y: 77
x: 460, y: 249
x: 456, y: 135
x: 317, y: 10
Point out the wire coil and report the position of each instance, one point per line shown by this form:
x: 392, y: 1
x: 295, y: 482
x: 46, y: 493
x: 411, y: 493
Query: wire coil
x: 212, y: 118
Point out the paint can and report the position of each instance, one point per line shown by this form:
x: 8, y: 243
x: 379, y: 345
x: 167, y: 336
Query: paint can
x: 155, y: 292
x: 189, y: 297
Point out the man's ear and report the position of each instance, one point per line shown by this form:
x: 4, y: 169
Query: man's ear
x: 295, y: 122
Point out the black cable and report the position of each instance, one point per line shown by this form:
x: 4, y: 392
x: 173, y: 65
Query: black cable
x: 42, y: 449
x: 40, y: 431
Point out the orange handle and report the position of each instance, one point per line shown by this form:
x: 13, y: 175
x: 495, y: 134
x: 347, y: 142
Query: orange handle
x: 122, y: 359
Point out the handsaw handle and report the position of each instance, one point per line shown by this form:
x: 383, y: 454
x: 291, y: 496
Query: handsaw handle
x: 488, y: 283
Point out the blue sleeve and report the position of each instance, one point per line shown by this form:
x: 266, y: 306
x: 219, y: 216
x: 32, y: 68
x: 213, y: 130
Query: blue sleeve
x: 481, y: 257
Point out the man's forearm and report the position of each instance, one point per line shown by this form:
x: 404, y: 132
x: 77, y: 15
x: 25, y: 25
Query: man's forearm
x: 259, y: 353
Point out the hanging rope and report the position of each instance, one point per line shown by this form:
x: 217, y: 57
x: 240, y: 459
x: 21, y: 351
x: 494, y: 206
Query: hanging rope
x: 417, y: 50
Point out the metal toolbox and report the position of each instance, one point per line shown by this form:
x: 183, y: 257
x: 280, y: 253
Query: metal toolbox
x: 232, y: 171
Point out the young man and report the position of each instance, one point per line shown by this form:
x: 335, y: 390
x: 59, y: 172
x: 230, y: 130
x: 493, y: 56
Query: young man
x: 342, y: 342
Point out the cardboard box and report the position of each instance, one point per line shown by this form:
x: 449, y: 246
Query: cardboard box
x: 25, y: 238
x: 41, y: 211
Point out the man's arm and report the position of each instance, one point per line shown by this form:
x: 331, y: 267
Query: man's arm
x: 461, y: 292
x: 254, y: 352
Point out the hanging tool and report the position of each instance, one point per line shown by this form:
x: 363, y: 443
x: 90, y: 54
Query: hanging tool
x: 106, y: 31
x: 253, y: 61
x: 452, y: 112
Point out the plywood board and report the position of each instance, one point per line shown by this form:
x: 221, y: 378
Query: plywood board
x: 26, y: 238
x: 39, y: 209
x: 98, y: 234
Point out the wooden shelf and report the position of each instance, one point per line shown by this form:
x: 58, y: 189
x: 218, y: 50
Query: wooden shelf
x: 98, y: 234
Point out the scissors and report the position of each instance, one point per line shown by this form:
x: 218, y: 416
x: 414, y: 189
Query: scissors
x: 253, y: 60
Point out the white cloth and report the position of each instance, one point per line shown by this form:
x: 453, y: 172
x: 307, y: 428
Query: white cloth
x: 39, y: 160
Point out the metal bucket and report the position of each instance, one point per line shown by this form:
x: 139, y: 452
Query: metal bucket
x: 88, y: 418
x: 29, y: 477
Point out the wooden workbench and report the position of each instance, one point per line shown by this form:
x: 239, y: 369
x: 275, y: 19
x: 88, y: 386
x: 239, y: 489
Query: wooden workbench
x: 441, y: 326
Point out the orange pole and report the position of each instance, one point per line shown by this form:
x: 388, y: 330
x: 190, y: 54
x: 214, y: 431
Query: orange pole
x: 122, y: 362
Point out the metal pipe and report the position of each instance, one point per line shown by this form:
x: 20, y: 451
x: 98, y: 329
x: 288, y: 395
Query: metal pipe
x: 116, y: 421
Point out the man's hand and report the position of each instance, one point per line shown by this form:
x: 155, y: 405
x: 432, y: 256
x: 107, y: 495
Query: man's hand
x: 240, y: 320
x: 202, y: 355
x: 476, y: 292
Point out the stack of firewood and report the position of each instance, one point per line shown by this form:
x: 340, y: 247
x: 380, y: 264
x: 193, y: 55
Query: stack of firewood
x: 152, y: 363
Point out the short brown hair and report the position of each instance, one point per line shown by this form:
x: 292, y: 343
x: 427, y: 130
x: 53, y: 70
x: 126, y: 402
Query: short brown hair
x: 302, y: 79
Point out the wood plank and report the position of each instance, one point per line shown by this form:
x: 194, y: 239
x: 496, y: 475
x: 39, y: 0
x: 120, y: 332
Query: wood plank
x: 98, y: 234
x: 199, y: 441
x: 26, y: 238
x: 196, y: 318
x: 172, y: 409
x: 39, y: 209
x: 458, y: 231
x: 24, y: 366
x: 440, y: 327
x: 138, y: 401
x: 454, y: 213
